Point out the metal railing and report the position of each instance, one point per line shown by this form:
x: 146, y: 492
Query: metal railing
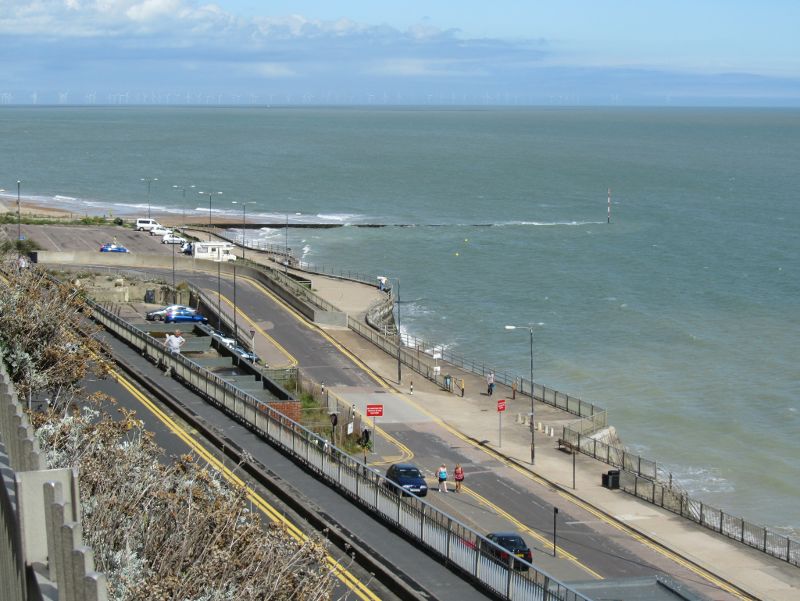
x: 444, y: 536
x: 759, y: 537
x: 42, y: 555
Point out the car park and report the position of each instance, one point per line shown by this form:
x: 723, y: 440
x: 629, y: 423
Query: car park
x: 408, y: 478
x: 183, y: 315
x: 145, y: 225
x: 112, y: 247
x: 158, y: 314
x: 173, y: 238
x: 160, y: 230
x: 511, y: 544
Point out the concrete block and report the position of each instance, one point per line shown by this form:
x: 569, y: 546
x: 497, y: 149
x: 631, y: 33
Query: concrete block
x: 95, y: 587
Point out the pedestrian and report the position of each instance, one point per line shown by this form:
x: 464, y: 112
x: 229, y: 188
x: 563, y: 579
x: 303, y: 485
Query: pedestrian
x: 462, y: 387
x: 174, y: 342
x: 442, y: 474
x: 490, y: 382
x: 458, y: 474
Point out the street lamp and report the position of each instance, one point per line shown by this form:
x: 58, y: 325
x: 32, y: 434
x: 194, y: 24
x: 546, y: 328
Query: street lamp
x: 149, y: 180
x: 533, y: 429
x: 244, y: 222
x: 19, y: 226
x: 399, y: 336
x: 286, y: 244
x: 183, y: 191
x: 210, y: 194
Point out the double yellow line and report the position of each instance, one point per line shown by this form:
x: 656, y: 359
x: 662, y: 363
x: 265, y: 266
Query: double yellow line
x: 346, y: 577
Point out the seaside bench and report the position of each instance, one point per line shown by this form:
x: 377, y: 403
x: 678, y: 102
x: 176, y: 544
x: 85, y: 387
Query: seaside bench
x: 565, y: 445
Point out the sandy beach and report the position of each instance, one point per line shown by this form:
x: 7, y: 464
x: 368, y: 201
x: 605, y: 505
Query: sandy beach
x: 39, y: 210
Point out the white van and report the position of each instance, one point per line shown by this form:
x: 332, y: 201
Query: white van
x: 145, y: 225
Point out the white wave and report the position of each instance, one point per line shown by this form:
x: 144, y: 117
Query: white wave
x: 67, y: 198
x: 547, y: 223
x: 340, y: 217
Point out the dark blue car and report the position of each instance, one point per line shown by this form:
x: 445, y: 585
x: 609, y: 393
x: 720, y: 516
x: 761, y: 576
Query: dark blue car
x: 408, y: 477
x: 180, y: 315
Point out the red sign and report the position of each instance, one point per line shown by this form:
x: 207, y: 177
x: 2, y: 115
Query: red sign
x: 374, y: 410
x: 501, y: 405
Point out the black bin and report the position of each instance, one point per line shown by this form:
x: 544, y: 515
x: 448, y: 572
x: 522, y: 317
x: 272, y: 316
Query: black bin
x: 604, y: 479
x: 150, y: 296
x: 613, y: 479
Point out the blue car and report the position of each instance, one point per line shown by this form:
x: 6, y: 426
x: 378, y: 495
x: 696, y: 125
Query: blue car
x: 180, y: 315
x: 408, y: 477
x: 111, y: 247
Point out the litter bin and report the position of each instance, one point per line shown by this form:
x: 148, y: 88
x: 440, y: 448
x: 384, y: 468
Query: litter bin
x: 604, y: 479
x: 613, y: 479
x: 150, y: 296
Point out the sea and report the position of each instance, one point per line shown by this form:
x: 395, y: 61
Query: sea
x: 681, y: 316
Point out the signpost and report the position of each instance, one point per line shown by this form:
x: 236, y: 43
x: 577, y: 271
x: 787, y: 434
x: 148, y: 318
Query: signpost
x: 374, y: 411
x: 501, y: 407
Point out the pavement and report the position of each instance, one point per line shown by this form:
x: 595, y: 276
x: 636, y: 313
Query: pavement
x: 474, y: 417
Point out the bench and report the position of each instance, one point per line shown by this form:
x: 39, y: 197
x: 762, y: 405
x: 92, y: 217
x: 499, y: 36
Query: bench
x: 565, y: 445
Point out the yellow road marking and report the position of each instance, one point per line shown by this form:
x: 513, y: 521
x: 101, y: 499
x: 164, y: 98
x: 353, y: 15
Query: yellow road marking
x: 705, y: 574
x: 345, y: 576
x: 542, y: 539
x: 292, y: 360
x: 405, y: 453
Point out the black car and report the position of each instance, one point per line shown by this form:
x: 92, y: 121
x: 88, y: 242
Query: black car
x: 512, y: 544
x: 408, y: 477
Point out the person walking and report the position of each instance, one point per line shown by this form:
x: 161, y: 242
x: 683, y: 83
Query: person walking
x: 490, y: 382
x: 458, y: 474
x: 442, y: 475
x: 174, y: 342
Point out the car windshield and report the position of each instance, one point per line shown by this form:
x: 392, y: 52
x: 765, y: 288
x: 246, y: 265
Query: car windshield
x: 408, y: 472
x: 511, y: 542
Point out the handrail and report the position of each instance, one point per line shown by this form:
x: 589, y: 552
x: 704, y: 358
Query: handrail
x: 442, y: 534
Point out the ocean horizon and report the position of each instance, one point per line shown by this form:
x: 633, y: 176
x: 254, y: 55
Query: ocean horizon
x: 681, y: 316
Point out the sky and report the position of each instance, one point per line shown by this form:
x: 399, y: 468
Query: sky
x: 467, y: 52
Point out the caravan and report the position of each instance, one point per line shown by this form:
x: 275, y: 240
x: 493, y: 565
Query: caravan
x: 213, y: 251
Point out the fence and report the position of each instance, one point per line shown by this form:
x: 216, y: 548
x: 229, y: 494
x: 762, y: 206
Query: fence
x: 442, y: 535
x: 758, y: 537
x: 42, y: 555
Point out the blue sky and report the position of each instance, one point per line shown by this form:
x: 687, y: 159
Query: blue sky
x: 606, y: 52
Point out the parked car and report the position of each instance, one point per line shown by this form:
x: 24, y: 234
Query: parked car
x: 243, y: 353
x: 181, y: 315
x: 145, y: 225
x: 172, y: 238
x: 110, y: 247
x: 512, y: 545
x: 158, y: 314
x: 408, y: 477
x: 223, y: 338
x: 160, y: 230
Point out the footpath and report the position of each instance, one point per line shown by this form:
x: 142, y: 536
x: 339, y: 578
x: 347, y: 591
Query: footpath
x: 475, y: 416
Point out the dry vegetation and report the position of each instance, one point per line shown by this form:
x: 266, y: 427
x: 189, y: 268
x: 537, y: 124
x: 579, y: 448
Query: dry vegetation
x: 159, y: 530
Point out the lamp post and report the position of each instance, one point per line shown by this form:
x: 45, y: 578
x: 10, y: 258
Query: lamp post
x: 286, y: 244
x: 183, y: 191
x: 19, y: 221
x: 533, y: 428
x: 235, y: 327
x: 244, y: 222
x: 210, y: 194
x: 399, y: 335
x: 149, y: 180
